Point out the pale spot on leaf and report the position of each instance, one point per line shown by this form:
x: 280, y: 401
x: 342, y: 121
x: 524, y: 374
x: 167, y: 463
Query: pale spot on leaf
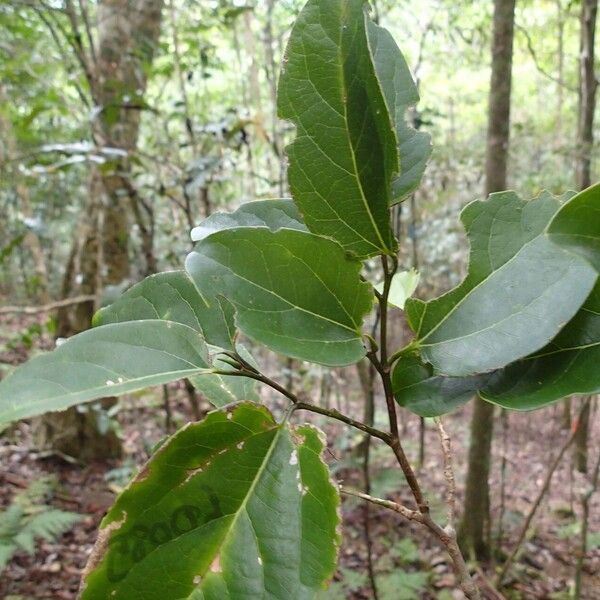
x: 215, y: 566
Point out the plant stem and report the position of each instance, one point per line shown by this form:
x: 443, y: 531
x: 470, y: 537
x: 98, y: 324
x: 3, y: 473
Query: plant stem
x: 338, y: 416
x: 34, y: 310
x: 448, y: 471
x: 243, y: 372
x: 396, y: 355
x: 408, y: 513
x: 383, y: 368
x: 447, y: 536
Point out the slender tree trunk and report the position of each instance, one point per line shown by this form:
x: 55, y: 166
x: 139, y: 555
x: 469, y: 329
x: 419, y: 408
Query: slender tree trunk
x: 128, y: 32
x: 474, y: 527
x: 560, y: 51
x: 581, y: 437
x: 587, y: 93
x: 583, y: 167
x: 366, y: 375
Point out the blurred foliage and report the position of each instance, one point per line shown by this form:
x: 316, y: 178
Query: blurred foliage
x: 209, y: 130
x: 28, y: 518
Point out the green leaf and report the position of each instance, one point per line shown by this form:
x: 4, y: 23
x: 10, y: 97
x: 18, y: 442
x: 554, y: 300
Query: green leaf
x: 568, y: 365
x: 234, y: 507
x: 519, y: 291
x: 403, y: 286
x: 414, y: 147
x: 109, y: 360
x: 344, y: 157
x: 221, y: 390
x: 295, y: 292
x: 272, y: 214
x: 172, y: 296
x: 576, y: 225
x: 422, y: 392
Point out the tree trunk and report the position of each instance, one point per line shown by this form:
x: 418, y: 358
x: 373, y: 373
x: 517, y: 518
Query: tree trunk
x: 587, y: 93
x: 128, y: 32
x: 585, y: 141
x: 474, y: 527
x: 560, y: 85
x: 581, y: 436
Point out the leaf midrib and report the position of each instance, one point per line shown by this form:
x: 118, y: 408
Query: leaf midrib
x: 113, y: 389
x: 285, y: 300
x: 344, y: 86
x: 243, y: 505
x: 488, y: 327
x: 472, y: 290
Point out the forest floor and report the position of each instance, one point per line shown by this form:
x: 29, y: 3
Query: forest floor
x: 408, y: 564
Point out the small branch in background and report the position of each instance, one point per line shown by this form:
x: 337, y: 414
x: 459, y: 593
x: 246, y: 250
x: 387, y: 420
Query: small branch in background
x: 190, y: 390
x: 448, y: 471
x: 72, y: 38
x: 88, y: 30
x: 167, y: 408
x: 413, y: 515
x: 422, y: 427
x: 536, y: 61
x: 581, y: 439
x: 366, y: 374
x: 64, y: 54
x: 367, y: 518
x: 536, y: 504
x: 34, y: 310
x: 77, y: 40
x: 417, y: 68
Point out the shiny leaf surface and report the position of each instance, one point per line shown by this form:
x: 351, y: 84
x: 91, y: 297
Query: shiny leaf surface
x: 414, y: 147
x: 272, y: 214
x: 576, y: 226
x: 295, y: 292
x: 104, y: 361
x: 568, y: 365
x: 172, y: 296
x: 419, y: 390
x: 519, y: 292
x: 344, y: 157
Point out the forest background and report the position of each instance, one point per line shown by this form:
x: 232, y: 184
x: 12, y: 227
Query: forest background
x: 124, y: 123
